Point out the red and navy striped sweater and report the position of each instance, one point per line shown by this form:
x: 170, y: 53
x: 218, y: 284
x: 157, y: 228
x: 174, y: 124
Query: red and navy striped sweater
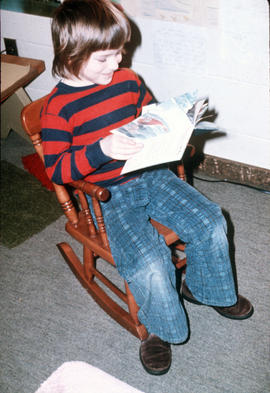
x: 74, y: 119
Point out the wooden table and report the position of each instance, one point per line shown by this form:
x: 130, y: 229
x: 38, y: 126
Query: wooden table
x: 32, y: 68
x: 16, y: 73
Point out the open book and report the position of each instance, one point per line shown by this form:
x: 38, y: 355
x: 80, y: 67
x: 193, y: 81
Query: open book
x: 165, y: 130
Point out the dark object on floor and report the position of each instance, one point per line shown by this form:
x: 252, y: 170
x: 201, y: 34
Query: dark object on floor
x: 243, y: 309
x: 26, y: 206
x: 155, y: 355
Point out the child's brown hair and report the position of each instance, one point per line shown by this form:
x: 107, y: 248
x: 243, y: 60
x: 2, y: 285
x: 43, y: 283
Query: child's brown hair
x: 81, y: 27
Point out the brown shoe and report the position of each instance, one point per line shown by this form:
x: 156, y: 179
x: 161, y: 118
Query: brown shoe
x: 242, y: 309
x: 155, y: 355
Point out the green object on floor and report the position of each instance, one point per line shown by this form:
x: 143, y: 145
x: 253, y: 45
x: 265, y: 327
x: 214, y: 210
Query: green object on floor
x: 26, y: 207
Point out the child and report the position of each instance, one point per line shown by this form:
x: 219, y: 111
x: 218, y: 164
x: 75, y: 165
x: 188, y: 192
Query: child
x: 93, y: 97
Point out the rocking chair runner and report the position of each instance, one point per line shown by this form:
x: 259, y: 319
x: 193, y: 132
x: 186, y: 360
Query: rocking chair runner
x: 80, y: 225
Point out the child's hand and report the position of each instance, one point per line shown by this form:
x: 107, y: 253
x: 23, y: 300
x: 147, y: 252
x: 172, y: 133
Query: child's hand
x: 120, y: 147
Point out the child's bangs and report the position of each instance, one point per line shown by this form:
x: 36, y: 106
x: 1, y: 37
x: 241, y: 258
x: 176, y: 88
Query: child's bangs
x: 116, y: 37
x: 111, y: 37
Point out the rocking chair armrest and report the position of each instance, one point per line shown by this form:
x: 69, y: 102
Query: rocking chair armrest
x: 100, y: 193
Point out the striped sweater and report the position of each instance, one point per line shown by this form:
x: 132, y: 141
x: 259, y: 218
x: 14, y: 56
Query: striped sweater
x: 74, y: 119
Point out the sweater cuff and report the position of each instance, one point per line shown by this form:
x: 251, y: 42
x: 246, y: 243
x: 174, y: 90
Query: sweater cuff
x: 95, y: 155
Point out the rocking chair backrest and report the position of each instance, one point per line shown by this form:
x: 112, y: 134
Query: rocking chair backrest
x: 30, y: 117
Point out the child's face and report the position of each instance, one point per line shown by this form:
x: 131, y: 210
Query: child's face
x: 100, y: 66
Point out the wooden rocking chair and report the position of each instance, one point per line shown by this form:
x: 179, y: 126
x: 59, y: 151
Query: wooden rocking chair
x: 80, y: 225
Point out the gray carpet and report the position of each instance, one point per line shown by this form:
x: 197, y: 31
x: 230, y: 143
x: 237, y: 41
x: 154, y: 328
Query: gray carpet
x: 47, y: 318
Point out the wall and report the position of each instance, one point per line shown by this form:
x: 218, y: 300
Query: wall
x: 223, y: 54
x: 33, y: 37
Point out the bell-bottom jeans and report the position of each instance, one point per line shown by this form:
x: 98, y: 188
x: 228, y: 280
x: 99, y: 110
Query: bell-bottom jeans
x: 144, y: 260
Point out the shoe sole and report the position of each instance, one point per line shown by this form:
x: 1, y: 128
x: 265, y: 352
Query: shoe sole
x: 153, y: 372
x: 248, y: 315
x: 194, y: 301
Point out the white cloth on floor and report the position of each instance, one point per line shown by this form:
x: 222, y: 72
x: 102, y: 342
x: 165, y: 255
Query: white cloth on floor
x: 81, y: 377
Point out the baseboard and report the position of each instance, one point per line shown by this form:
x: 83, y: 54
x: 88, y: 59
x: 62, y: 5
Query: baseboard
x: 235, y: 171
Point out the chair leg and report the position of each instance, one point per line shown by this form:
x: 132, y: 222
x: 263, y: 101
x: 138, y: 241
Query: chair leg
x: 86, y: 278
x: 180, y: 261
x: 133, y: 309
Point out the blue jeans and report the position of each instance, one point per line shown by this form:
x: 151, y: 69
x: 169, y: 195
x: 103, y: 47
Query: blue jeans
x: 144, y: 260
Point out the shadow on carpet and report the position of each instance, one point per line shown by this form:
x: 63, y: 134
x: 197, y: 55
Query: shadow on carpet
x: 26, y: 207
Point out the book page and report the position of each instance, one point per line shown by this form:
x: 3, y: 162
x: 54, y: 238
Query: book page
x: 162, y: 148
x: 164, y: 129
